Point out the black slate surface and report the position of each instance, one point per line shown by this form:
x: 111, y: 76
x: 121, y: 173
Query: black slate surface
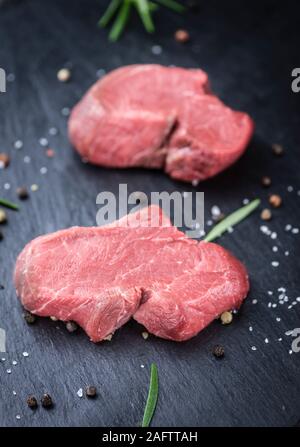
x: 249, y: 52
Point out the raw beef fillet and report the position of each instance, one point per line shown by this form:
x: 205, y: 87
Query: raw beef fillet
x: 158, y: 117
x: 100, y: 277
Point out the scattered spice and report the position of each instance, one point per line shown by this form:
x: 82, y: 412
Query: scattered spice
x: 266, y: 181
x: 32, y: 402
x: 91, y: 391
x: 1, y: 236
x: 71, y: 326
x: 226, y: 317
x: 9, y: 204
x: 275, y: 200
x: 266, y: 214
x: 277, y: 149
x: 2, y: 287
x: 46, y: 401
x: 152, y: 396
x: 29, y: 317
x: 3, y: 217
x: 22, y: 193
x: 218, y: 352
x: 231, y: 220
x: 182, y: 36
x: 4, y: 160
x: 145, y: 335
x: 50, y: 153
x: 64, y: 75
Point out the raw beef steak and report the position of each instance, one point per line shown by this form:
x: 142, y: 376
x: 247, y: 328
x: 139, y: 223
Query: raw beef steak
x: 102, y: 276
x: 158, y: 117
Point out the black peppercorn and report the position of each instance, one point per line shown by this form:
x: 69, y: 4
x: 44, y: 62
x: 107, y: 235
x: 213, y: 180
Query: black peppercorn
x: 22, y: 193
x: 32, y: 402
x: 29, y: 317
x: 46, y: 401
x: 91, y: 391
x: 218, y: 351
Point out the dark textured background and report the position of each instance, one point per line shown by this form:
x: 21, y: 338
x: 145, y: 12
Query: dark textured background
x: 249, y: 52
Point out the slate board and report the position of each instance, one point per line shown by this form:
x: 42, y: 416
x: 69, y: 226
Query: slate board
x: 249, y: 53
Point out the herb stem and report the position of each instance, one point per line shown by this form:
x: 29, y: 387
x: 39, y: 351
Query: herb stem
x: 109, y: 13
x: 9, y: 204
x: 144, y: 12
x: 152, y: 396
x: 231, y: 220
x: 172, y: 4
x: 120, y: 21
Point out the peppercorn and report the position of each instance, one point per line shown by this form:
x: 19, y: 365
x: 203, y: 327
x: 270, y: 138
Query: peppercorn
x: 64, y: 75
x: 46, y: 401
x: 2, y: 287
x: 266, y: 214
x: 182, y: 36
x: 29, y: 317
x: 266, y: 181
x: 226, y: 317
x: 71, y: 326
x: 218, y: 351
x: 4, y: 160
x: 3, y: 217
x: 91, y: 391
x: 22, y: 193
x: 1, y: 236
x: 275, y: 200
x: 32, y: 402
x: 277, y: 149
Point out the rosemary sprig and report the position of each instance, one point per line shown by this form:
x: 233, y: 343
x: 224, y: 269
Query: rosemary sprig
x: 122, y: 8
x: 231, y: 220
x: 9, y: 204
x: 152, y: 396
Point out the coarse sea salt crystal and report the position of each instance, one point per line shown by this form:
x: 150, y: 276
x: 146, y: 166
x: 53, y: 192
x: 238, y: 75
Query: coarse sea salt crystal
x: 53, y: 131
x: 254, y: 301
x: 288, y: 227
x: 290, y: 188
x: 269, y: 304
x: 43, y: 170
x: 254, y: 348
x: 14, y: 393
x: 270, y: 292
x: 65, y: 111
x: 278, y: 319
x: 18, y: 144
x: 275, y: 249
x: 275, y: 263
x: 266, y: 340
x: 156, y: 49
x: 27, y: 159
x: 14, y: 362
x: 274, y: 235
x: 250, y: 329
x: 18, y: 416
x: 286, y: 253
x: 295, y: 230
x: 281, y: 289
x: 80, y: 392
x: 215, y: 211
x: 8, y: 371
x: 25, y: 354
x: 43, y: 141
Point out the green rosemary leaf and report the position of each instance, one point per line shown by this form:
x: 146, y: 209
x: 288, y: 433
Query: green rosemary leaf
x: 9, y: 204
x: 120, y: 22
x: 144, y: 12
x: 153, y: 6
x: 152, y: 396
x: 172, y: 4
x: 231, y: 220
x: 109, y: 13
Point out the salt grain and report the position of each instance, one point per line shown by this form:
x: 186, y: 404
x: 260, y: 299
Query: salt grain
x: 142, y: 366
x: 18, y: 417
x: 34, y: 187
x: 278, y: 319
x: 275, y: 263
x: 254, y: 348
x: 275, y: 249
x: 295, y: 230
x: 274, y: 235
x: 270, y: 292
x: 245, y: 201
x: 250, y: 329
x: 6, y: 186
x: 156, y: 50
x: 266, y: 340
x: 290, y: 188
x: 10, y: 77
x: 43, y: 170
x: 53, y: 131
x: 254, y: 301
x: 8, y: 371
x: 14, y: 393
x: 65, y: 111
x: 43, y: 142
x: 215, y: 211
x: 25, y: 354
x: 101, y: 72
x: 286, y: 253
x: 288, y: 227
x: 27, y: 159
x: 14, y: 362
x: 230, y: 230
x: 80, y: 392
x: 18, y: 144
